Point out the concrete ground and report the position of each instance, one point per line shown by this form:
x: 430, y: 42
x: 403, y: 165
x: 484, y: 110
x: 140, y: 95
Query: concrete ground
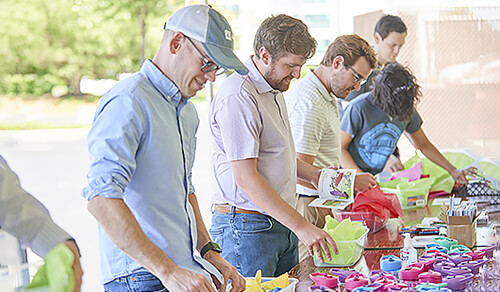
x: 52, y: 165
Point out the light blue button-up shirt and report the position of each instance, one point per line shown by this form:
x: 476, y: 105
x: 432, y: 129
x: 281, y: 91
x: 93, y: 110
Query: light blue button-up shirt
x: 142, y: 146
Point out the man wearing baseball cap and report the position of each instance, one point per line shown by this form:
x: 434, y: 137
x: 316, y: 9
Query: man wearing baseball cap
x: 142, y: 145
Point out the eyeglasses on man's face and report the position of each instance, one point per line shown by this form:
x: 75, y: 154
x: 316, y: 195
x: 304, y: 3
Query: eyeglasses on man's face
x: 358, y: 78
x: 208, y: 65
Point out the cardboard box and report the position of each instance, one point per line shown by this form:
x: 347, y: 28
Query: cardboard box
x: 461, y: 229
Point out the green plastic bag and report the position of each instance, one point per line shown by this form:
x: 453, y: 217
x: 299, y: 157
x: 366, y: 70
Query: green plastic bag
x: 56, y: 272
x: 392, y: 184
x: 490, y: 169
x: 458, y: 159
x: 442, y: 180
x: 349, y: 237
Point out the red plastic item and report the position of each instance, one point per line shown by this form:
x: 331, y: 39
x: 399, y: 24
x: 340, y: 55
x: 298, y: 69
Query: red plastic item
x: 324, y: 279
x: 431, y: 277
x: 355, y: 280
x: 376, y: 201
x: 476, y: 255
x: 386, y: 279
x: 428, y: 264
x: 395, y: 287
x: 411, y: 272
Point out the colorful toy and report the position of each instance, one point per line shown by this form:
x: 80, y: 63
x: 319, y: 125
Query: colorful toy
x: 355, y: 280
x: 324, y: 279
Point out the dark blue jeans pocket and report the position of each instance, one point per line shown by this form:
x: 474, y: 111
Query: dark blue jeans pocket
x: 147, y: 282
x: 140, y: 282
x: 249, y: 224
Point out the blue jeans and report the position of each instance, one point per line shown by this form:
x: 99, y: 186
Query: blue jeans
x: 136, y: 282
x: 252, y: 242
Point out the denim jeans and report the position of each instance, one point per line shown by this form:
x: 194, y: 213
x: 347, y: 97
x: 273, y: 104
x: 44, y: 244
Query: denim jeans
x: 136, y: 282
x: 252, y: 242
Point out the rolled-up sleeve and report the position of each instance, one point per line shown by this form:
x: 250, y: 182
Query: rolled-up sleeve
x: 113, y: 142
x: 25, y: 217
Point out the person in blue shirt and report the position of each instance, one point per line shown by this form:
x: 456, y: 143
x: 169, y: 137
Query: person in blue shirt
x: 142, y: 146
x: 389, y: 37
x: 373, y: 123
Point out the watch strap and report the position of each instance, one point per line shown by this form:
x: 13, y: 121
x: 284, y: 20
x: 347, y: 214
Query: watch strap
x: 210, y: 246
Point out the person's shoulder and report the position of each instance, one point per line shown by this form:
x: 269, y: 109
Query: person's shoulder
x: 360, y: 104
x: 237, y: 88
x: 127, y: 86
x: 364, y: 101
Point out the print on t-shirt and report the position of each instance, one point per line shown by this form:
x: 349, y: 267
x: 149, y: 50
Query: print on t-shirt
x: 378, y: 143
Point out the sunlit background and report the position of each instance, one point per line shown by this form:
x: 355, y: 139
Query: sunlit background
x: 58, y: 56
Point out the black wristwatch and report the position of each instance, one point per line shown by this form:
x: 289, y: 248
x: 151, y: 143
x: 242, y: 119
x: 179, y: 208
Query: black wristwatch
x: 210, y: 246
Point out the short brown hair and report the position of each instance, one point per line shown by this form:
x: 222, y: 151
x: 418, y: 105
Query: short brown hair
x: 283, y: 34
x: 351, y: 47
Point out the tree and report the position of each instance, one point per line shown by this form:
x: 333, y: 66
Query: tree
x: 70, y: 39
x: 142, y: 11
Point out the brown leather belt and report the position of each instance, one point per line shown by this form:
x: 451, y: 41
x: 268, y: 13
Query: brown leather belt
x: 225, y: 209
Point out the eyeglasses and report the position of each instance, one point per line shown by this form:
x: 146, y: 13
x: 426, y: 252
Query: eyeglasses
x: 208, y: 65
x: 358, y: 79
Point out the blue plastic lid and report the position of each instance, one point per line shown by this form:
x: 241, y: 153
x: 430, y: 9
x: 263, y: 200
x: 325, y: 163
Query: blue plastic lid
x: 390, y: 263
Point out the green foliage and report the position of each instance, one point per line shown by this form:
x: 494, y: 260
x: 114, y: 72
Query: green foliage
x: 69, y: 39
x: 28, y: 84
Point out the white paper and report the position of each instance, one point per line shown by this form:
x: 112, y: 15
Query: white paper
x: 446, y: 201
x: 332, y: 204
x: 337, y: 184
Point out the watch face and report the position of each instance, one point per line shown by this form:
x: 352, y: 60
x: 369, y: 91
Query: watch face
x: 215, y: 247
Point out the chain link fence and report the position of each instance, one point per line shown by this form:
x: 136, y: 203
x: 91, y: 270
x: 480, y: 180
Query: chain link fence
x: 455, y: 54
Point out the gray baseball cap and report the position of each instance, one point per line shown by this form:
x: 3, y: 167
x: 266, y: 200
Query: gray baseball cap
x: 209, y: 27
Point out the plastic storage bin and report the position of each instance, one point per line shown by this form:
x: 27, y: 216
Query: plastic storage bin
x: 349, y: 253
x: 410, y: 198
x: 370, y: 220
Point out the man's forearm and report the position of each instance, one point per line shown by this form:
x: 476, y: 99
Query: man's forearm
x: 308, y: 173
x: 203, y: 235
x: 120, y: 225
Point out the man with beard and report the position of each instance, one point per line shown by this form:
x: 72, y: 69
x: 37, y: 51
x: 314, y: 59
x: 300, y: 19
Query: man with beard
x: 254, y: 157
x: 314, y: 117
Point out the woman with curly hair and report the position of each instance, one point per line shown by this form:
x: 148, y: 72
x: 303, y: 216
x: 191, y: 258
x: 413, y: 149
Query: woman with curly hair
x: 373, y: 123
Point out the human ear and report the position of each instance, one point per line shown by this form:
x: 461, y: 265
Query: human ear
x: 176, y: 42
x: 265, y: 56
x: 338, y: 62
x: 377, y: 37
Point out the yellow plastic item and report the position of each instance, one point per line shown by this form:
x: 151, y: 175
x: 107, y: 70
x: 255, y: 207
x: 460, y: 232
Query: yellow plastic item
x: 256, y: 285
x: 280, y: 282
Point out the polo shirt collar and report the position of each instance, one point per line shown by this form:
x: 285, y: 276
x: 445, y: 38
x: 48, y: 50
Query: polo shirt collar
x: 259, y: 81
x: 311, y: 77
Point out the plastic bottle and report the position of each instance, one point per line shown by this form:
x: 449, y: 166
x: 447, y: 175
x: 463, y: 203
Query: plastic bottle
x: 408, y: 253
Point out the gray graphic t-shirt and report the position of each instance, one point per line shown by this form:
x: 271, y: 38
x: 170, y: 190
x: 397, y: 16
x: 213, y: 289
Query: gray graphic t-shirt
x: 374, y: 133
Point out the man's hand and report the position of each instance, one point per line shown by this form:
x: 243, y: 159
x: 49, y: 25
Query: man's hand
x: 77, y: 268
x: 393, y: 164
x: 364, y: 181
x: 182, y: 280
x: 238, y: 283
x: 316, y: 240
